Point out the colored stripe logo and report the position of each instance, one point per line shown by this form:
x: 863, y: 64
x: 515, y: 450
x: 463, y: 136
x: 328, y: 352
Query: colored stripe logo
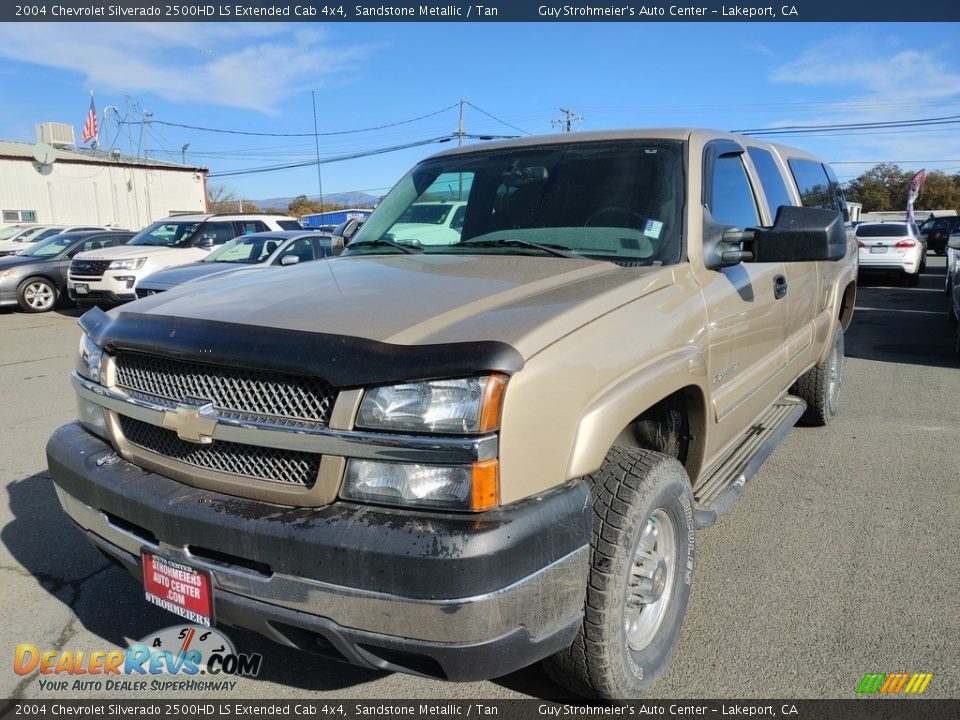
x: 894, y: 683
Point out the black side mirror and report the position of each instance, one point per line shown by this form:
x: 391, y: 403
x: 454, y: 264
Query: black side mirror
x: 802, y: 234
x: 723, y: 245
x: 205, y: 242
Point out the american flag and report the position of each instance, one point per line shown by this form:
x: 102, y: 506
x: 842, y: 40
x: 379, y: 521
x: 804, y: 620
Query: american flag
x: 90, y: 127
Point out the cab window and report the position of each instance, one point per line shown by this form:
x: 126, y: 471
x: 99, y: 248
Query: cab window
x: 731, y: 198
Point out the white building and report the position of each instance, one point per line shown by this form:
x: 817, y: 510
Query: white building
x: 64, y: 185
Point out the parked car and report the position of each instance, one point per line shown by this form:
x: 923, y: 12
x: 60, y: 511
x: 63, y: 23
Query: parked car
x: 37, y: 277
x: 937, y: 231
x: 461, y: 459
x: 249, y: 252
x: 952, y: 282
x: 892, y: 247
x: 430, y: 223
x: 110, y: 276
x: 19, y: 240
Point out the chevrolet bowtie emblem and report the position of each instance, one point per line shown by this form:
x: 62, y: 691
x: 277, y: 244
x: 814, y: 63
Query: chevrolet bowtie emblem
x: 193, y: 423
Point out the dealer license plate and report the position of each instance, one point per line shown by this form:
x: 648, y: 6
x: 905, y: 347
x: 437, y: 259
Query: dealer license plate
x: 81, y: 289
x: 178, y: 588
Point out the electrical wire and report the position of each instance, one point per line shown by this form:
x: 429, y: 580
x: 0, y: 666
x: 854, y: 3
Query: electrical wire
x: 502, y: 122
x: 323, y: 134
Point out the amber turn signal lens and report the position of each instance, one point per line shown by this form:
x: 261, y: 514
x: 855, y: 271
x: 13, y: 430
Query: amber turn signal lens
x: 492, y: 402
x: 485, y: 485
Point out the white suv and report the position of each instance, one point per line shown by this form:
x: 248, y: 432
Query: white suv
x: 110, y: 275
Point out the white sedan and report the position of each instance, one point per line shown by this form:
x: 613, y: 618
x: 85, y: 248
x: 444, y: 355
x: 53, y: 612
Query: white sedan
x: 892, y: 246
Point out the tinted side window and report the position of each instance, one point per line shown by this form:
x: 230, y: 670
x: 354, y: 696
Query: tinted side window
x: 774, y: 186
x: 816, y: 188
x: 302, y: 248
x: 289, y: 224
x: 837, y: 191
x: 731, y: 197
x: 219, y: 232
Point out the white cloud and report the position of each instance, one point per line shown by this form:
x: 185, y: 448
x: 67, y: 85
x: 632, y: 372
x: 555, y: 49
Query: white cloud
x: 242, y: 65
x: 880, y: 78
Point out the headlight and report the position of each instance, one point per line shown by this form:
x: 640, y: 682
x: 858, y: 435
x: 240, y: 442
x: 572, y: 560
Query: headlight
x: 88, y: 359
x: 469, y: 405
x: 453, y: 487
x: 134, y: 264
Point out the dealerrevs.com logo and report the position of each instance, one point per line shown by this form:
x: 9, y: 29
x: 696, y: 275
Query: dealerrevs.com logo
x: 894, y: 683
x: 182, y: 651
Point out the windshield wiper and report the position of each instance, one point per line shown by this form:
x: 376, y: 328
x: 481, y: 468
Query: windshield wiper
x: 556, y: 250
x: 384, y: 241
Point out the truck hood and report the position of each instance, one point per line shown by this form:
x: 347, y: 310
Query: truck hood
x: 171, y: 277
x: 127, y: 252
x: 526, y: 302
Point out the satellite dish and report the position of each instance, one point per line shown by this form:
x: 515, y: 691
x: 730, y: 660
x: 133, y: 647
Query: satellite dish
x: 44, y: 153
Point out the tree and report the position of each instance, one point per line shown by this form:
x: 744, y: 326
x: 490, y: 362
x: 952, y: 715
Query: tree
x: 221, y: 198
x: 885, y: 187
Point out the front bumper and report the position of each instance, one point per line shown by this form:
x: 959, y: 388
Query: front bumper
x: 454, y: 596
x: 108, y: 288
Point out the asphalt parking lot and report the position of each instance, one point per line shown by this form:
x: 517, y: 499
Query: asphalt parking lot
x: 840, y: 558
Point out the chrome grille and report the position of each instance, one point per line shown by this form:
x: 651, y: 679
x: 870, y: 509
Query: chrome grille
x: 236, y: 392
x: 89, y: 268
x: 250, y: 461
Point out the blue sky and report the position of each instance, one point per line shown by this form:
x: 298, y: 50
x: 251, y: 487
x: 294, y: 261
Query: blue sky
x: 258, y: 77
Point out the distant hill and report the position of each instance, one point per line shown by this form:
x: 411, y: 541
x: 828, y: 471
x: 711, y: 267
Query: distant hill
x: 347, y: 199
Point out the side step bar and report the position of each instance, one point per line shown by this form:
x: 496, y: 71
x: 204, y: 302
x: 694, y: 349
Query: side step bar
x: 721, y: 486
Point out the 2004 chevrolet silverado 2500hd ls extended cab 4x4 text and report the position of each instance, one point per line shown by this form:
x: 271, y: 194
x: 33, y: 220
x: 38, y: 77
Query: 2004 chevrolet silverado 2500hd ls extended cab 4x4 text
x: 458, y: 458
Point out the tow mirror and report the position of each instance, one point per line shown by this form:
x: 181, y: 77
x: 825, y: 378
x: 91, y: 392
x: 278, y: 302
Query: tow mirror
x: 724, y: 245
x: 801, y: 234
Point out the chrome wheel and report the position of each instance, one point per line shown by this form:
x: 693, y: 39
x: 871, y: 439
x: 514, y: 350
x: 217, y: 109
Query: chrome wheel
x: 39, y: 296
x: 651, y: 580
x: 835, y: 375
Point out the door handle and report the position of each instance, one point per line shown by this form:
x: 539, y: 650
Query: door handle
x: 779, y: 287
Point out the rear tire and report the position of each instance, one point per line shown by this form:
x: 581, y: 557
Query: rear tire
x: 820, y: 386
x: 640, y: 573
x: 37, y: 295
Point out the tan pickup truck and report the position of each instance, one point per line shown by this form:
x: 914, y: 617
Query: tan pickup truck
x: 458, y: 458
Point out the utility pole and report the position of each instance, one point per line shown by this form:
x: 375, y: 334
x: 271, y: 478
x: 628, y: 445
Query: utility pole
x: 316, y: 143
x: 143, y: 123
x: 183, y: 153
x: 567, y: 121
x: 460, y: 126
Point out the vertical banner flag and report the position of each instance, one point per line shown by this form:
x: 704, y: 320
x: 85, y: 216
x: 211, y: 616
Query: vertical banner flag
x: 90, y: 128
x: 914, y: 192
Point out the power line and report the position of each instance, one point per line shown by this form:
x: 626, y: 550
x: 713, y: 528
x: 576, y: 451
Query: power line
x: 349, y: 156
x: 799, y: 129
x: 567, y: 121
x: 494, y: 117
x: 313, y: 134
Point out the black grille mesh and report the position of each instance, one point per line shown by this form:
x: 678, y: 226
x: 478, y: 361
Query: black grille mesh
x: 89, y: 268
x: 236, y: 392
x: 250, y: 461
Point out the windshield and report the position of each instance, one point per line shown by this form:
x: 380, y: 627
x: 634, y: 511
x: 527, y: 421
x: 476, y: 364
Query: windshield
x: 166, y: 233
x: 248, y: 250
x: 884, y: 230
x: 49, y: 247
x: 620, y: 201
x: 9, y: 232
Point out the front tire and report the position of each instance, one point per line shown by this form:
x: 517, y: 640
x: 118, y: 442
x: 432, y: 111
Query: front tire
x: 820, y: 386
x: 37, y: 295
x: 642, y: 556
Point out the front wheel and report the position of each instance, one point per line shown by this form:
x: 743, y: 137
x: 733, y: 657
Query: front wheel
x: 642, y: 556
x: 820, y: 386
x: 37, y: 295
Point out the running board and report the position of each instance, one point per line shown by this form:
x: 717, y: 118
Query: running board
x: 721, y: 486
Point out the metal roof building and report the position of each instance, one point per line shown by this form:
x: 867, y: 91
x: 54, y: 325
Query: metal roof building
x: 63, y: 185
x: 335, y: 217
